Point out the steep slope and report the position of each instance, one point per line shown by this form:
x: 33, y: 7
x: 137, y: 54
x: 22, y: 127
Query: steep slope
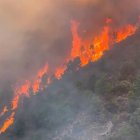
x: 86, y: 100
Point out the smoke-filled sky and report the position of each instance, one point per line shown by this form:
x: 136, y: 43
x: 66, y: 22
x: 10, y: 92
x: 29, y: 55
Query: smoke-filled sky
x: 38, y: 31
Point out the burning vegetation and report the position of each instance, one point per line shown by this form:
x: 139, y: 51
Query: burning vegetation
x: 88, y: 49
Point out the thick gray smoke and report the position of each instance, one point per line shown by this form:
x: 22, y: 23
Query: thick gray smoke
x: 34, y: 32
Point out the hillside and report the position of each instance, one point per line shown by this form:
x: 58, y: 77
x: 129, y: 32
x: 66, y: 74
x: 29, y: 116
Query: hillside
x: 98, y: 101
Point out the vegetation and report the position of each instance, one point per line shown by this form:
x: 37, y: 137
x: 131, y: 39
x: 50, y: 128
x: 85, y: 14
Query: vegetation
x: 108, y: 90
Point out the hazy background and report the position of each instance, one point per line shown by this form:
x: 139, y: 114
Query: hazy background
x: 38, y: 31
x: 34, y: 32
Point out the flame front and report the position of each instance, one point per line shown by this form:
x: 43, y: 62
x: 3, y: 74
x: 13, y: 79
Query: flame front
x: 90, y: 51
x: 60, y: 71
x: 37, y: 81
x: 5, y: 109
x: 7, y: 123
x: 125, y: 32
x: 86, y: 50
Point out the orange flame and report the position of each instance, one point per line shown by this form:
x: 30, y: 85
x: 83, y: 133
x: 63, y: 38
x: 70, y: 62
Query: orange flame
x: 86, y: 50
x: 15, y: 102
x: 36, y: 83
x: 90, y: 51
x: 7, y: 123
x: 123, y: 33
x: 5, y: 109
x: 76, y: 43
x: 23, y: 90
x: 60, y: 71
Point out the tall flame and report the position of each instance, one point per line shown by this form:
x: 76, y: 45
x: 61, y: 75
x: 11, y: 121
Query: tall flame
x: 86, y: 50
x: 37, y: 81
x: 89, y: 51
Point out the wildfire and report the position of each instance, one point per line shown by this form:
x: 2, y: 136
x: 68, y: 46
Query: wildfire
x: 37, y: 81
x: 76, y: 43
x: 125, y: 32
x: 60, y: 71
x: 90, y: 51
x: 86, y: 50
x: 7, y: 123
x: 5, y: 109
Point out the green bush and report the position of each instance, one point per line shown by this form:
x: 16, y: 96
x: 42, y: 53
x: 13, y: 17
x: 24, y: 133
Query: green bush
x: 103, y: 85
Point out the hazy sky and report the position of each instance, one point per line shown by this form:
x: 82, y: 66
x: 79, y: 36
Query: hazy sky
x: 36, y: 31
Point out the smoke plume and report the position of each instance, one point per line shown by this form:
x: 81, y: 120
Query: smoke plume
x: 37, y: 32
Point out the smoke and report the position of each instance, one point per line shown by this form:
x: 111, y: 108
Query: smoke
x: 37, y: 32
